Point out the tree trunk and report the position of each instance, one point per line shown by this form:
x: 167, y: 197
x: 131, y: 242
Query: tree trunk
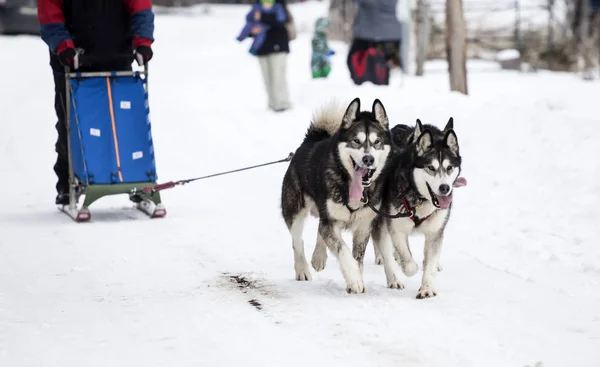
x: 456, y: 46
x: 341, y: 17
x: 423, y: 28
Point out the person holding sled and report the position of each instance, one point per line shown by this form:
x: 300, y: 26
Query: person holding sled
x: 100, y: 29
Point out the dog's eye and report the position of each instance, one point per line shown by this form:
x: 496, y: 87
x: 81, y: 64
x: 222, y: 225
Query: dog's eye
x: 377, y: 142
x: 356, y: 141
x: 431, y: 168
x: 450, y: 168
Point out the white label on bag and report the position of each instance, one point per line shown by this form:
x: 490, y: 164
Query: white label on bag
x: 137, y: 155
x: 95, y: 132
x: 125, y: 105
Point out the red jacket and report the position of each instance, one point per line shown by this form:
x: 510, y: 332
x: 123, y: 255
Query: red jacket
x: 100, y: 27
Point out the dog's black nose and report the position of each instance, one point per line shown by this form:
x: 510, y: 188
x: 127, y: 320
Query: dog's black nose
x: 444, y: 189
x: 368, y: 160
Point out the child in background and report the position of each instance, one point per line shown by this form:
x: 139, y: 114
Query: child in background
x: 319, y: 64
x: 253, y: 23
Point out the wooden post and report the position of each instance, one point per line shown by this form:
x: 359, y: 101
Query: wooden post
x: 456, y: 46
x: 550, y: 35
x: 423, y: 29
x: 341, y: 17
x: 518, y: 26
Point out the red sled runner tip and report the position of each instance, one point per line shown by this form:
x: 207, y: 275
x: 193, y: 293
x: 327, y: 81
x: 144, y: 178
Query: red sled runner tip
x: 78, y: 215
x: 151, y: 209
x: 159, y: 213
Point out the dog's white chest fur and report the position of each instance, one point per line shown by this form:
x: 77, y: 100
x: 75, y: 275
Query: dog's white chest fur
x: 432, y: 224
x: 352, y: 220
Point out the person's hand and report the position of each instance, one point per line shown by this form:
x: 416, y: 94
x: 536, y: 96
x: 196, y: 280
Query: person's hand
x: 257, y: 15
x: 67, y: 57
x: 144, y: 53
x: 256, y: 30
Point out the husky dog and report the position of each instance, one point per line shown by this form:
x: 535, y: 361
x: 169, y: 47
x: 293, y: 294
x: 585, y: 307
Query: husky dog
x: 402, y: 136
x: 417, y: 198
x: 335, y: 176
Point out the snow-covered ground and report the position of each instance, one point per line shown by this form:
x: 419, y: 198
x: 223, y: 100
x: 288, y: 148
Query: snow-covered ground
x: 521, y: 276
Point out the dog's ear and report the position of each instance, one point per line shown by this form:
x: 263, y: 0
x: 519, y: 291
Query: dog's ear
x: 451, y: 141
x: 449, y: 125
x: 424, y: 142
x: 380, y: 114
x: 351, y: 113
x: 418, y: 130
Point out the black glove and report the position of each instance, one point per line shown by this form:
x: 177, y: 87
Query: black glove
x: 145, y: 52
x: 67, y: 57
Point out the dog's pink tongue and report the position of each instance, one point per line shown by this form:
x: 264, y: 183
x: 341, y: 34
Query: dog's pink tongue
x: 460, y: 182
x: 444, y: 201
x: 356, y: 188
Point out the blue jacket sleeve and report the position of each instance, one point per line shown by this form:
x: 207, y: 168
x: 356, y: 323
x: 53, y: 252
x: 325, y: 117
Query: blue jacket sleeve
x: 52, y: 25
x: 142, y: 22
x: 276, y: 18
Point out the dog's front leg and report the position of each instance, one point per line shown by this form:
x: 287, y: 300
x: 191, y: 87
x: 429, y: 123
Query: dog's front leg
x: 330, y: 232
x: 433, y: 247
x: 398, y: 232
x: 381, y: 239
x: 360, y: 238
x: 378, y: 257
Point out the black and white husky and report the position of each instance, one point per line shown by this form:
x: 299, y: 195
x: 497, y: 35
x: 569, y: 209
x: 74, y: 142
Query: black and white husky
x: 417, y: 198
x: 335, y: 176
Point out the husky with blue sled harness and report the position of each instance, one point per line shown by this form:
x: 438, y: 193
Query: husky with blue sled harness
x: 110, y: 147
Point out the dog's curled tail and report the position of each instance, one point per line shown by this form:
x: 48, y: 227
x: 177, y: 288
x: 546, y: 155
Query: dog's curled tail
x: 326, y: 120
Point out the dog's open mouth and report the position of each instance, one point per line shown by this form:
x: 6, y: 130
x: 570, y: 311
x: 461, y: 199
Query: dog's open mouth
x: 361, y: 178
x: 440, y: 201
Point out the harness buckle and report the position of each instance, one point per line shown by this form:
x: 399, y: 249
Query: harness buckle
x: 364, y: 199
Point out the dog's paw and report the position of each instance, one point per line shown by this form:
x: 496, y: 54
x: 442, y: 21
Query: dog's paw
x: 410, y: 268
x: 303, y: 273
x: 439, y: 267
x: 426, y: 292
x: 319, y: 260
x: 395, y: 284
x: 356, y: 287
x: 355, y: 282
x: 378, y: 260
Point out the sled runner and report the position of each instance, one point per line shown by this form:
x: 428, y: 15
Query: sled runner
x: 110, y: 148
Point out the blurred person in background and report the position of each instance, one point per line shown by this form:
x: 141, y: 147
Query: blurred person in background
x: 320, y: 65
x: 256, y: 28
x: 103, y: 29
x: 376, y: 37
x: 272, y: 53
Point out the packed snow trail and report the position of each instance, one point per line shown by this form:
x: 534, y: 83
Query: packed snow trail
x: 213, y: 284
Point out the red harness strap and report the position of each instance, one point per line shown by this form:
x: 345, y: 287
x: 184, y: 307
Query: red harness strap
x: 407, y: 208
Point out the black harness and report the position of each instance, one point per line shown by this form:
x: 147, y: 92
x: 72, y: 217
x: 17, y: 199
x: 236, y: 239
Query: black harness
x: 407, y: 213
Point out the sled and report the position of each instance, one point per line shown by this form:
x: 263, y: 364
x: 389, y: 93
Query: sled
x: 109, y: 139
